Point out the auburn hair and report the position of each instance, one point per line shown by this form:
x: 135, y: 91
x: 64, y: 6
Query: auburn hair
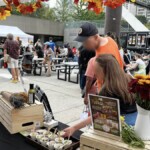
x: 115, y: 79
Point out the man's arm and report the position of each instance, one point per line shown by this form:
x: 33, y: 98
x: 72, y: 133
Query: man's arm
x: 89, y: 82
x: 89, y: 78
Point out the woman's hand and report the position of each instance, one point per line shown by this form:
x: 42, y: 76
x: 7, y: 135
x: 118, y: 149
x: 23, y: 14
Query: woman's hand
x: 69, y: 131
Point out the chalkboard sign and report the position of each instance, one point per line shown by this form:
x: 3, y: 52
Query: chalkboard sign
x: 105, y: 113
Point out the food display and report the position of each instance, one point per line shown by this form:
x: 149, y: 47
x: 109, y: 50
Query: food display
x: 46, y: 139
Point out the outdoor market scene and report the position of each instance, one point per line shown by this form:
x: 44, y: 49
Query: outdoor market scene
x: 74, y: 74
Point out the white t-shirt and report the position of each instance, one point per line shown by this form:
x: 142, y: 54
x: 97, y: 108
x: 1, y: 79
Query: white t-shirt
x: 121, y: 53
x: 140, y: 62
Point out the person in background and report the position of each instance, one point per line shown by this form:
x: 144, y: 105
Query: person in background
x: 65, y: 50
x: 88, y: 35
x: 126, y: 57
x: 139, y: 65
x: 70, y: 55
x: 28, y: 49
x: 129, y: 53
x: 48, y: 59
x: 11, y: 47
x: 19, y: 41
x: 38, y: 44
x: 31, y: 46
x: 84, y: 57
x: 57, y: 51
x: 74, y: 50
x: 52, y: 44
x: 106, y: 68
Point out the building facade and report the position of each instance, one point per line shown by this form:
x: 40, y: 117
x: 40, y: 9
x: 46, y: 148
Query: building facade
x: 138, y: 11
x: 40, y: 28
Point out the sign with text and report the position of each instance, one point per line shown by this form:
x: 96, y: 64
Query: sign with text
x: 105, y: 113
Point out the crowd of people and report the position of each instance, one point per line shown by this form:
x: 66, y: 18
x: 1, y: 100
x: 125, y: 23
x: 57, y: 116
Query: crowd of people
x: 12, y: 48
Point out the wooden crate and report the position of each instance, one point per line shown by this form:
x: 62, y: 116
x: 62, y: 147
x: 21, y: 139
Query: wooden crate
x: 17, y: 120
x: 90, y: 141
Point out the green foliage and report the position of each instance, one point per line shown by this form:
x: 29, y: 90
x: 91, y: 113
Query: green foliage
x: 80, y: 12
x: 129, y: 137
x: 143, y: 19
x: 65, y: 11
x: 148, y: 25
x: 62, y: 10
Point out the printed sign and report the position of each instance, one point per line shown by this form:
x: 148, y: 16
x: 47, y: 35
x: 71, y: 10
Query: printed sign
x: 105, y: 113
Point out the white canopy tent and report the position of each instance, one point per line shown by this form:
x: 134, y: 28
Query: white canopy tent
x: 25, y: 38
x: 133, y: 21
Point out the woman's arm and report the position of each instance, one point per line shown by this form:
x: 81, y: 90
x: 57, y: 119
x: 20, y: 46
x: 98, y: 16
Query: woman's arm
x: 70, y: 130
x: 134, y: 66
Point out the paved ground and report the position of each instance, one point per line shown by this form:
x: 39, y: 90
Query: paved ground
x: 65, y: 98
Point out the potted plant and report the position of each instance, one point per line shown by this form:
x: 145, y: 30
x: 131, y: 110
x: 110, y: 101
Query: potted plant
x: 140, y: 86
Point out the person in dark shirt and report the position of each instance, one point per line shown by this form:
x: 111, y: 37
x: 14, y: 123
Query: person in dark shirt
x: 70, y: 54
x: 11, y: 48
x: 39, y: 51
x: 84, y: 57
x: 126, y: 57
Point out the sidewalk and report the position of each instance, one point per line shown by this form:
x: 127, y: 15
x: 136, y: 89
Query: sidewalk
x: 64, y: 97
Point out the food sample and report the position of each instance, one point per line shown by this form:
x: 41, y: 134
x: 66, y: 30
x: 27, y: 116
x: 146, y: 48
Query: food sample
x: 67, y: 143
x: 39, y: 137
x: 41, y: 131
x: 58, y: 146
x: 44, y: 140
x: 49, y: 134
x: 52, y: 137
x: 33, y: 135
x: 51, y: 145
x: 59, y: 140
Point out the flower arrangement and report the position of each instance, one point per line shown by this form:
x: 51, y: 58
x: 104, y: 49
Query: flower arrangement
x: 140, y: 86
x: 97, y: 5
x: 24, y: 7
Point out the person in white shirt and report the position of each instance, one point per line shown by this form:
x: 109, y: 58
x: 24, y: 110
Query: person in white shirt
x: 140, y: 64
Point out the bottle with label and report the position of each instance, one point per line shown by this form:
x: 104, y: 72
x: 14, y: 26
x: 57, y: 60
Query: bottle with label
x: 31, y: 94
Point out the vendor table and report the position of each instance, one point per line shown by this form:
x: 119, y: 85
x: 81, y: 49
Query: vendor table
x: 67, y: 67
x: 90, y: 141
x: 18, y: 142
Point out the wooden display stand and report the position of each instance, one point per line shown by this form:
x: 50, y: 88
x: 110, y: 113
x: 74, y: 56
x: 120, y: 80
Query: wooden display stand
x: 90, y: 141
x: 17, y: 120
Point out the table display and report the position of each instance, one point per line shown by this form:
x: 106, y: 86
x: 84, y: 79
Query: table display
x: 18, y: 142
x: 44, y: 139
x: 22, y: 125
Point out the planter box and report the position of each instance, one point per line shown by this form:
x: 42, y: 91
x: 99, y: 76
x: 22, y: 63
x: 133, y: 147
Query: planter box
x: 17, y: 120
x: 91, y: 141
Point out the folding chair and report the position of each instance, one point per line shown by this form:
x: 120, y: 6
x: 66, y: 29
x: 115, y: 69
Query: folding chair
x: 41, y: 96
